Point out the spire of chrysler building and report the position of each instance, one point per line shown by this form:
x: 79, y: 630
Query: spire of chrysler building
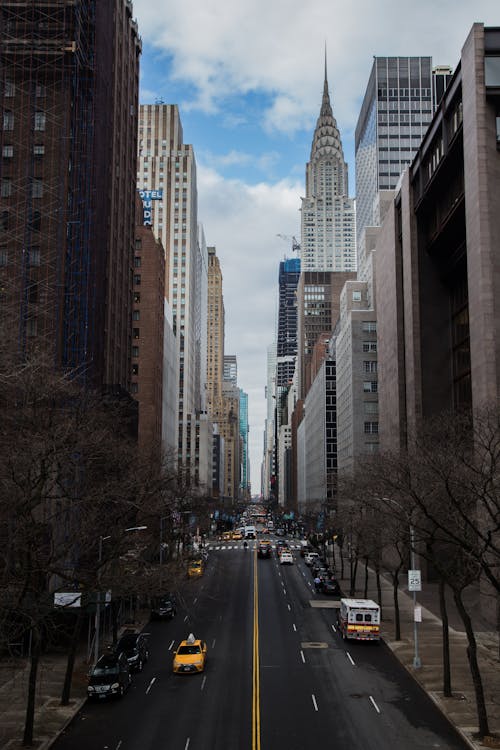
x: 326, y: 138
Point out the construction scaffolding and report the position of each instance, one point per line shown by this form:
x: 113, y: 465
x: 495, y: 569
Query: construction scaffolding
x: 47, y: 100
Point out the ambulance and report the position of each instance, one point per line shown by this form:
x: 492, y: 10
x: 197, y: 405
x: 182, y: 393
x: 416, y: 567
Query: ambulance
x: 359, y: 619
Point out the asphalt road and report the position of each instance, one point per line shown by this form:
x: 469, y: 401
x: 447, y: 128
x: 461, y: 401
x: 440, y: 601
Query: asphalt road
x: 278, y: 676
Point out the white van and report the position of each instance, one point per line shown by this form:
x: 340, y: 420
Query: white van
x: 250, y: 532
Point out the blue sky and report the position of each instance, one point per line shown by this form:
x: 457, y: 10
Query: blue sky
x: 248, y: 78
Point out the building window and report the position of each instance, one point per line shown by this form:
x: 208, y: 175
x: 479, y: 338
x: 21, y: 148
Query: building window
x: 36, y: 221
x: 37, y: 188
x: 137, y: 262
x: 40, y: 121
x: 369, y: 326
x: 136, y: 315
x: 9, y: 89
x: 370, y: 386
x: 137, y: 297
x: 40, y: 91
x: 5, y: 188
x: 4, y: 221
x: 34, y: 256
x: 134, y: 387
x: 4, y: 257
x: 135, y: 351
x: 369, y: 346
x: 135, y: 369
x: 8, y: 120
x: 38, y: 151
x: 8, y: 152
x: 370, y: 366
x: 371, y: 428
x: 356, y: 296
x: 137, y: 278
x: 136, y: 333
x: 31, y: 327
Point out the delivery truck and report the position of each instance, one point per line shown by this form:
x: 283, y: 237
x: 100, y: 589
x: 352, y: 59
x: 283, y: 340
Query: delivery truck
x: 359, y: 619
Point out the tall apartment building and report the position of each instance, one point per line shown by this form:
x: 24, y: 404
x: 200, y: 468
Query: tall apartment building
x: 317, y: 444
x: 400, y: 98
x: 230, y: 368
x: 215, y: 334
x: 286, y: 340
x: 328, y: 224
x: 148, y: 334
x: 222, y: 393
x: 166, y: 178
x: 245, y: 457
x: 67, y: 194
x: 318, y: 295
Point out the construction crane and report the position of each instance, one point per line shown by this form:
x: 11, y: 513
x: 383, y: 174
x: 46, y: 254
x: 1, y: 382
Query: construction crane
x: 295, y: 242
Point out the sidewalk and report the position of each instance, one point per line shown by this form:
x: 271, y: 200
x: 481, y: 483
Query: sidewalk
x: 461, y: 708
x: 51, y: 718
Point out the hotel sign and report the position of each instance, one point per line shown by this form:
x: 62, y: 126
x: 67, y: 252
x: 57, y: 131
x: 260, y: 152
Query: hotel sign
x: 147, y: 197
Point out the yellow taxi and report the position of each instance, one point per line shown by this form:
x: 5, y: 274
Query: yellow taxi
x: 227, y: 535
x: 195, y: 568
x: 237, y: 535
x: 190, y: 656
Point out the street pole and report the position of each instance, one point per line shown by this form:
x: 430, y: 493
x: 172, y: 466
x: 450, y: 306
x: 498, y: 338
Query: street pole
x: 98, y: 605
x: 416, y: 658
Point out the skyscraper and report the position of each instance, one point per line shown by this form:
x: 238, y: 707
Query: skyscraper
x: 398, y: 105
x: 289, y: 272
x: 166, y: 178
x: 328, y: 226
x: 67, y: 198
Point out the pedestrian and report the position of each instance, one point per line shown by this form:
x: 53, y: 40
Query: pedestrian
x: 317, y: 583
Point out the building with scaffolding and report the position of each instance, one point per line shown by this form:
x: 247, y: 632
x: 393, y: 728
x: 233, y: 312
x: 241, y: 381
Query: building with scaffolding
x: 68, y: 108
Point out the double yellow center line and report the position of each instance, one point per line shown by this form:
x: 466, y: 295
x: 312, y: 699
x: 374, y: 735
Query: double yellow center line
x: 256, y: 667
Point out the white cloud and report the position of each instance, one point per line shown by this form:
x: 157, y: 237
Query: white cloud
x: 253, y: 45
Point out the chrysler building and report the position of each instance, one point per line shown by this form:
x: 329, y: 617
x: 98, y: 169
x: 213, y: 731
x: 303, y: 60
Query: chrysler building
x: 328, y: 232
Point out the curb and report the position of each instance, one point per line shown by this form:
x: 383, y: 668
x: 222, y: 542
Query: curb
x: 49, y: 742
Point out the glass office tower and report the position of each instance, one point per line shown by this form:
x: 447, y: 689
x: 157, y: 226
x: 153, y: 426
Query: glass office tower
x: 399, y: 102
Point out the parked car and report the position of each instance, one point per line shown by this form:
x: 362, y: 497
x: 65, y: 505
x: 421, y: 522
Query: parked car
x: 163, y: 608
x: 135, y: 647
x: 331, y: 587
x: 110, y: 677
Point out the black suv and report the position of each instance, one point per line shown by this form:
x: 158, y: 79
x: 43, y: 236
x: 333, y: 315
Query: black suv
x: 109, y: 677
x: 135, y: 647
x: 163, y: 608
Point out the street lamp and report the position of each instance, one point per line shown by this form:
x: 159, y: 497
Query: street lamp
x: 98, y: 602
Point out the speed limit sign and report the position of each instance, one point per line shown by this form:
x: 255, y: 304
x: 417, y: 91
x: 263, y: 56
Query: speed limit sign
x: 414, y: 580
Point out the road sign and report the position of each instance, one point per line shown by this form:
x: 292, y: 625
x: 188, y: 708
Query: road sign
x: 414, y: 580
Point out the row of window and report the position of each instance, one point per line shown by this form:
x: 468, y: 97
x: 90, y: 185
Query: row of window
x: 39, y: 120
x: 6, y: 188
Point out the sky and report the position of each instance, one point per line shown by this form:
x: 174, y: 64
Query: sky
x: 247, y: 76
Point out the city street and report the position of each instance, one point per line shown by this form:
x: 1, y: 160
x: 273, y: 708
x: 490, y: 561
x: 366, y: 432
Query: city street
x: 278, y: 675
